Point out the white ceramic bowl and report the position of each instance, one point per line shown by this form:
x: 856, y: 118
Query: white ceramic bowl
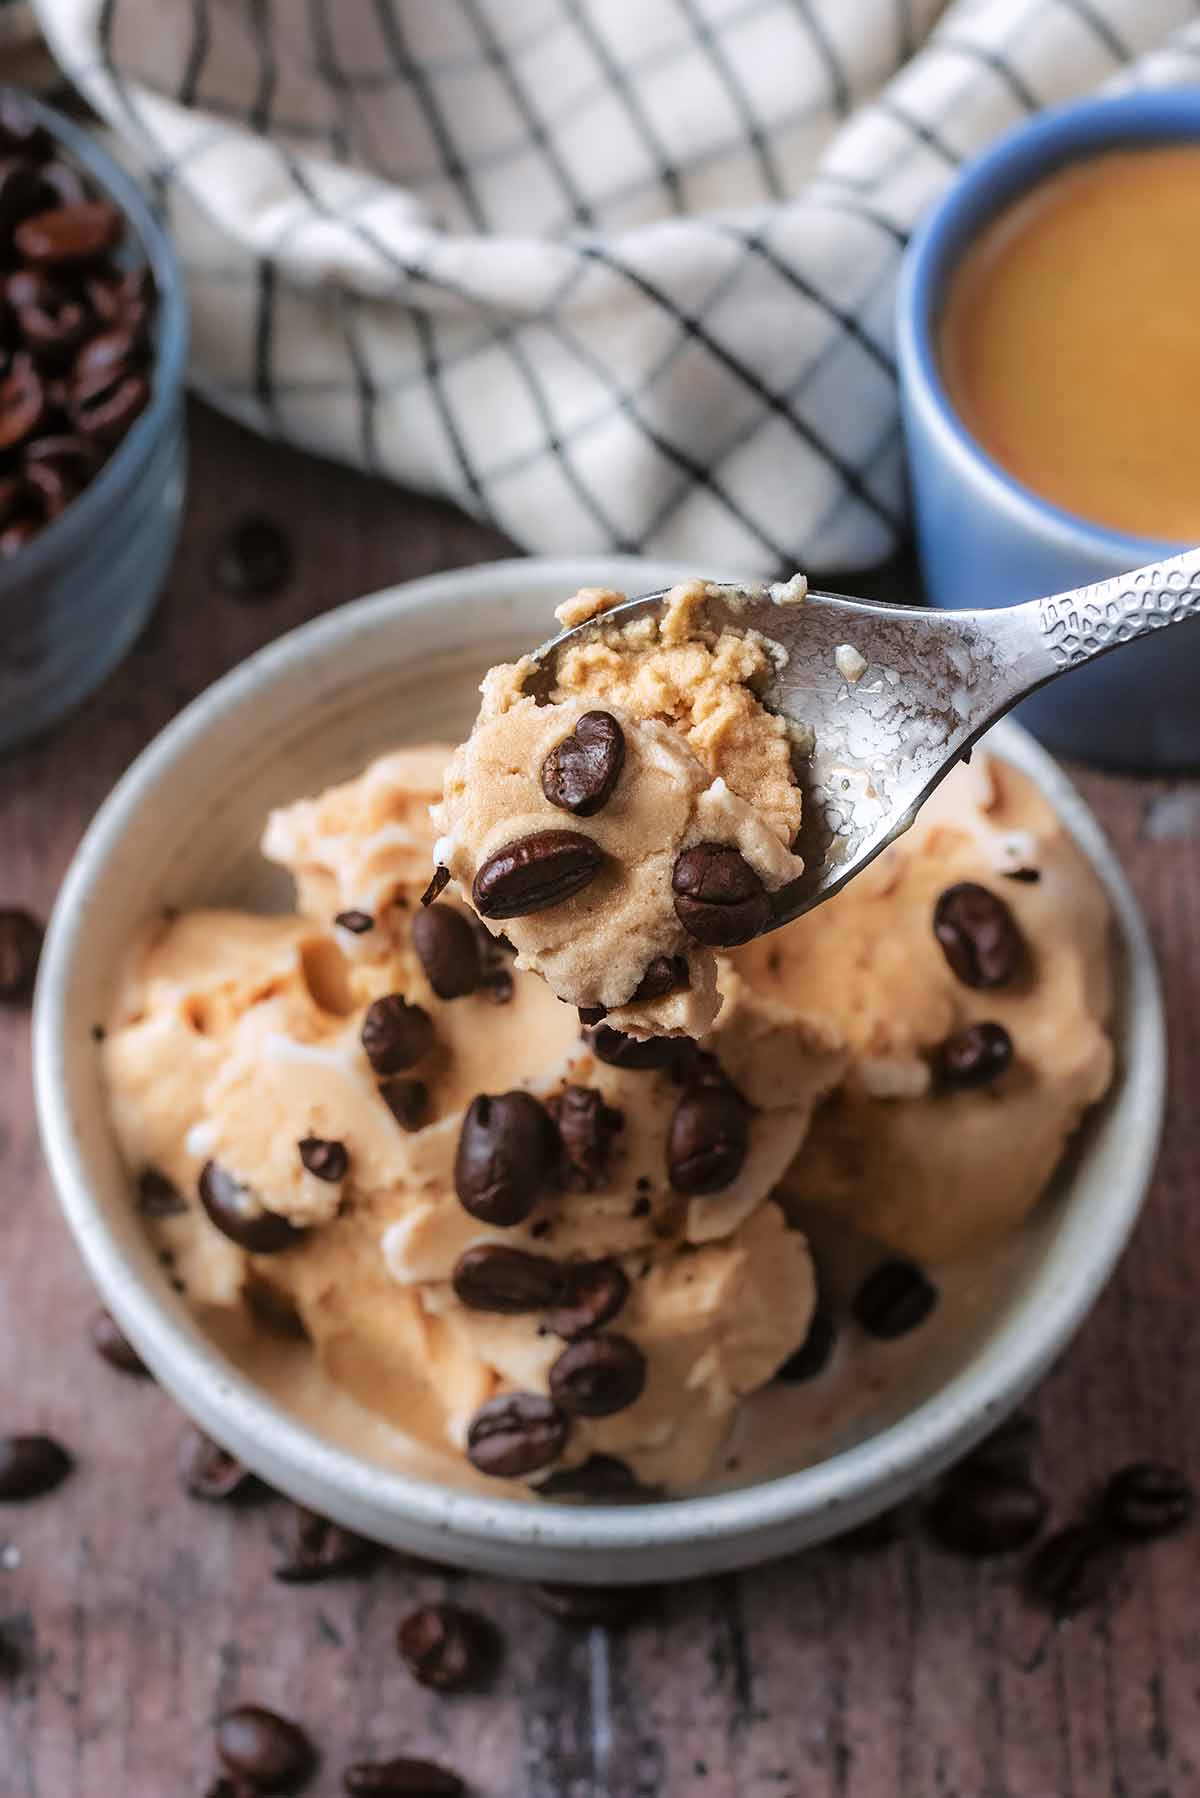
x: 182, y: 828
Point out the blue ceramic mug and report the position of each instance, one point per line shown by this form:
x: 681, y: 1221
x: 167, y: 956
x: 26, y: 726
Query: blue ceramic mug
x: 986, y: 540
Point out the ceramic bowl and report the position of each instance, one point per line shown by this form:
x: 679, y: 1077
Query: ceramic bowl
x: 182, y: 829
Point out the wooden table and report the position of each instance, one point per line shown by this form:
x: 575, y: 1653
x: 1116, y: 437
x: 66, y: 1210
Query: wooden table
x: 895, y: 1674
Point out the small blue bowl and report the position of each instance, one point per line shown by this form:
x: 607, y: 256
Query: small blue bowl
x: 75, y: 598
x: 986, y: 540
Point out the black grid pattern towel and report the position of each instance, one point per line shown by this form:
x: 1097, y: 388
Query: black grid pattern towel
x: 610, y: 273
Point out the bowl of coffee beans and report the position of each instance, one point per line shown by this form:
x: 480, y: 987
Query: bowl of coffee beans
x: 93, y: 335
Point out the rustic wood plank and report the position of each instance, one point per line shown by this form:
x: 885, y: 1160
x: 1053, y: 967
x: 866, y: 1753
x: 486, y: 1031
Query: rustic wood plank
x: 894, y: 1674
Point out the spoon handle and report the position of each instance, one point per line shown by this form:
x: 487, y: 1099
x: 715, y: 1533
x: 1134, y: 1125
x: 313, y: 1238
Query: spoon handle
x: 1076, y: 627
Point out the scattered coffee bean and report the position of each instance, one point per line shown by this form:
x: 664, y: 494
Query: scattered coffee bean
x: 598, y: 1375
x: 978, y: 935
x: 1009, y: 1449
x: 1147, y: 1499
x: 396, y: 1034
x: 31, y: 1466
x: 508, y: 1153
x: 893, y: 1300
x: 437, y: 886
x: 448, y: 950
x: 254, y: 560
x: 324, y: 1159
x: 1074, y: 1568
x: 708, y: 1139
x: 401, y: 1777
x: 634, y: 1053
x: 322, y: 1549
x: 605, y: 1478
x: 812, y: 1357
x: 407, y: 1100
x: 498, y: 986
x: 609, y: 1607
x: 20, y: 948
x: 358, y: 923
x: 974, y: 1056
x: 447, y: 1647
x: 536, y: 872
x: 516, y: 1434
x: 109, y: 1341
x: 665, y: 974
x: 587, y: 1127
x: 210, y: 1472
x: 981, y: 1512
x: 239, y: 1213
x: 581, y: 773
x: 719, y: 899
x: 271, y: 1751
x: 491, y: 1277
x: 157, y: 1196
x: 594, y: 1292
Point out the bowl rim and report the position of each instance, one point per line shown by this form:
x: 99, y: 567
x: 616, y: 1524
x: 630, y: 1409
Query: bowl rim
x: 239, y: 1412
x: 1008, y: 168
x: 94, y: 504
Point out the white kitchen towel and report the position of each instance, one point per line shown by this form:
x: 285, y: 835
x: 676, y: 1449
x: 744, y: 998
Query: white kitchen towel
x: 612, y: 274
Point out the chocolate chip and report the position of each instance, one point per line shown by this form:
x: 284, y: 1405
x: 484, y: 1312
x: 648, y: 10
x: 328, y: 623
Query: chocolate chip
x: 974, y: 1056
x: 239, y: 1214
x: 324, y: 1159
x: 634, y: 1053
x: 491, y: 1277
x: 446, y: 1647
x: 719, y: 899
x: 535, y: 872
x: 114, y: 1346
x: 1072, y: 1569
x: 210, y: 1472
x: 978, y: 935
x: 407, y: 1100
x: 322, y: 1549
x: 605, y: 1478
x: 581, y: 773
x: 497, y: 986
x: 20, y: 948
x: 587, y: 1127
x: 269, y: 1750
x: 708, y: 1139
x: 665, y: 974
x: 593, y: 1294
x: 1030, y: 876
x: 31, y: 1466
x: 401, y: 1777
x: 157, y: 1196
x: 1147, y: 1499
x: 981, y: 1511
x: 516, y: 1434
x: 598, y: 1375
x: 358, y: 923
x: 68, y: 235
x: 254, y: 560
x: 508, y: 1153
x: 893, y: 1300
x: 437, y: 886
x: 448, y: 951
x: 609, y: 1607
x: 812, y: 1357
x: 396, y: 1034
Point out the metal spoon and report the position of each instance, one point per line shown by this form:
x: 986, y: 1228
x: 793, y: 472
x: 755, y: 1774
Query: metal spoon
x: 881, y: 737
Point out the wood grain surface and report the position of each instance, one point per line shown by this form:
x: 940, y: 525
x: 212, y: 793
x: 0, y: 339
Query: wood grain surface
x: 137, y: 1614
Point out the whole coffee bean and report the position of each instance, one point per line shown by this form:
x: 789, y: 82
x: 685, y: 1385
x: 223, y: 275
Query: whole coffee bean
x: 448, y: 951
x: 120, y: 348
x: 708, y: 1139
x: 65, y: 182
x: 634, y: 1053
x: 22, y: 194
x: 157, y: 1196
x: 324, y: 1159
x: 240, y: 1214
x: 719, y: 899
x: 491, y: 1277
x: 358, y: 923
x: 1075, y: 1568
x: 254, y: 559
x: 50, y: 486
x: 665, y: 974
x: 587, y: 1127
x: 978, y: 935
x: 105, y: 405
x: 52, y: 333
x: 535, y: 872
x: 609, y: 1607
x: 22, y: 404
x: 20, y: 949
x: 396, y: 1034
x: 877, y: 1533
x: 980, y: 1512
x: 114, y: 1346
x: 1009, y: 1450
x: 322, y: 1549
x: 31, y: 1466
x: 446, y: 1647
x: 581, y: 773
x: 974, y: 1056
x: 401, y: 1777
x: 210, y: 1472
x: 407, y: 1100
x: 893, y: 1300
x: 508, y: 1153
x: 594, y: 1292
x: 812, y: 1357
x: 605, y: 1478
x: 269, y: 1750
x: 68, y: 235
x: 437, y: 886
x: 516, y: 1434
x: 598, y: 1376
x: 1147, y: 1499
